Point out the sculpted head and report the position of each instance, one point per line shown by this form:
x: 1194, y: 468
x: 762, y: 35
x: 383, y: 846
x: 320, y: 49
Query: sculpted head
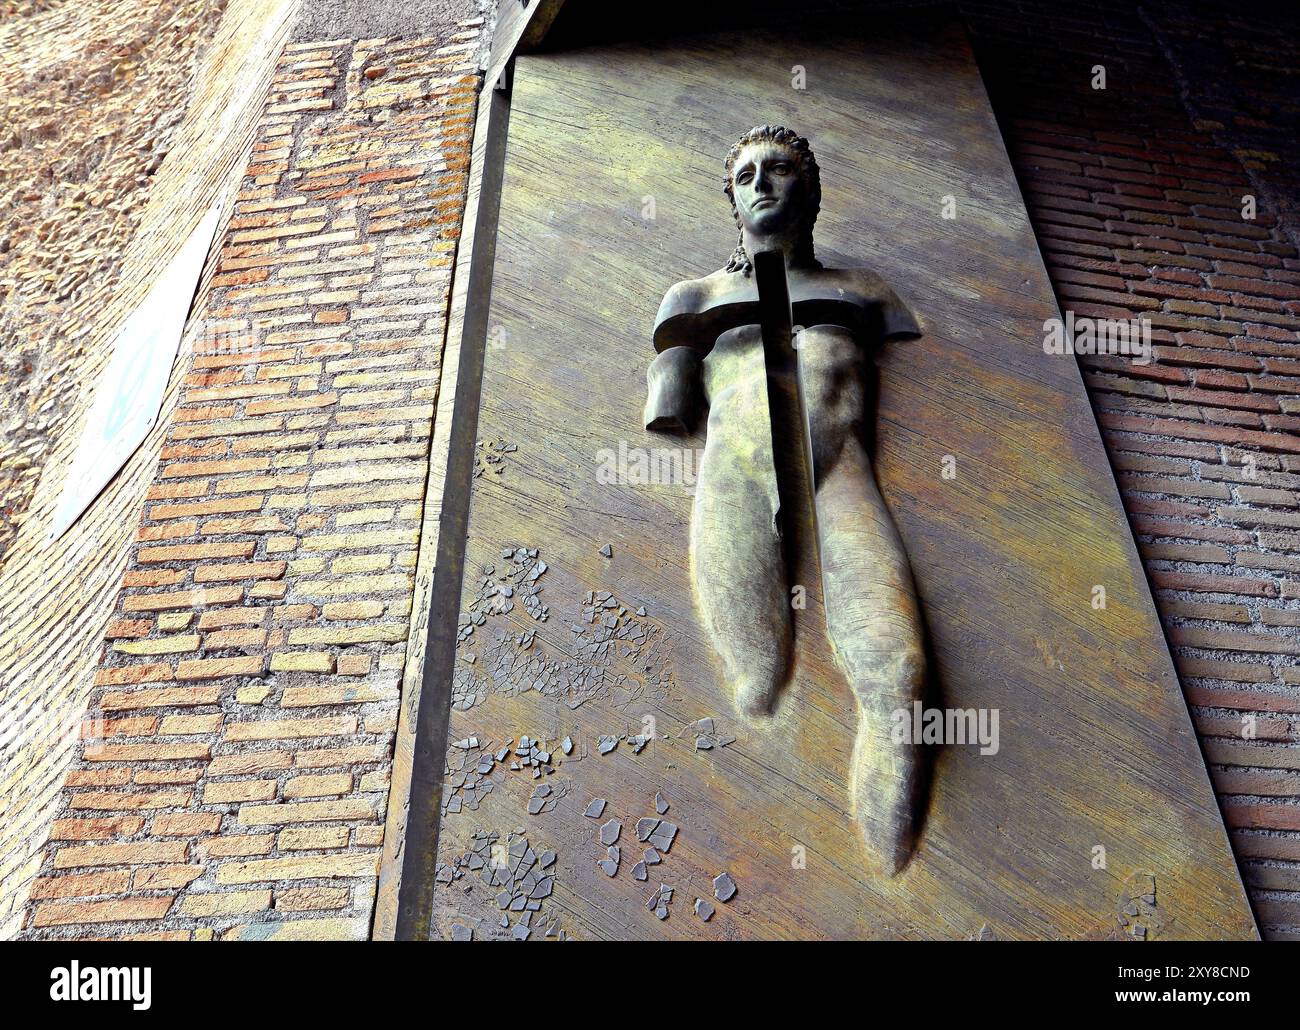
x: 774, y: 186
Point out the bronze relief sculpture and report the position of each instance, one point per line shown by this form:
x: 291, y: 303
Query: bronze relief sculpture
x: 781, y: 349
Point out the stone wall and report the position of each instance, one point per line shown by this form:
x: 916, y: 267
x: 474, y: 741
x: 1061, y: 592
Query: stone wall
x: 56, y: 598
x: 90, y: 99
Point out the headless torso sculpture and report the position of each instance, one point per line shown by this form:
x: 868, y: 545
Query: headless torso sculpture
x: 708, y: 335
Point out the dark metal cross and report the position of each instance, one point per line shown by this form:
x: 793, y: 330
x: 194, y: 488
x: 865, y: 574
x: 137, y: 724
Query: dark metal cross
x: 792, y: 452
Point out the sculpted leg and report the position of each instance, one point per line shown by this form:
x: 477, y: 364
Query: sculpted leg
x: 873, y: 622
x: 737, y: 566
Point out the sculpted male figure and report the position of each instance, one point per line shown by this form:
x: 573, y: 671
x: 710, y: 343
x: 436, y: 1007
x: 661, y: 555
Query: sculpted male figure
x: 707, y: 334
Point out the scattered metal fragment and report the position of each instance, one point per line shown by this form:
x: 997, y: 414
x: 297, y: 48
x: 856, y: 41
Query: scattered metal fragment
x: 661, y: 803
x: 614, y: 654
x: 498, y: 591
x: 664, y: 835
x: 703, y: 909
x: 659, y: 901
x: 639, y: 742
x: 544, y: 799
x: 708, y: 735
x: 461, y: 932
x: 724, y: 887
x: 606, y: 744
x: 609, y: 863
x: 595, y: 809
x: 607, y: 551
x: 489, y: 456
x: 465, y: 775
x: 566, y: 745
x: 652, y: 857
x: 521, y: 878
x: 639, y: 871
x: 610, y: 831
x: 659, y: 832
x: 1136, y: 906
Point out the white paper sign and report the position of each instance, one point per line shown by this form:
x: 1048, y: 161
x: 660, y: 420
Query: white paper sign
x: 130, y: 391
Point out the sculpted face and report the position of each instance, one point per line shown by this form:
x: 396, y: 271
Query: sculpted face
x: 769, y: 191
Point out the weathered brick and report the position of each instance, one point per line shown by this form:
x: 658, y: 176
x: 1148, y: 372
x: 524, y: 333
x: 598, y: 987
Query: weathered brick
x: 284, y: 729
x: 160, y: 697
x: 324, y: 758
x: 223, y: 792
x: 178, y: 725
x: 241, y: 570
x: 219, y: 668
x: 184, y: 824
x: 346, y: 611
x: 199, y: 906
x: 247, y: 639
x: 151, y: 752
x: 390, y: 632
x: 311, y: 899
x: 203, y: 597
x: 179, y: 644
x: 227, y: 617
x: 249, y: 762
x: 81, y: 885
x: 62, y: 913
x: 302, y: 661
x: 165, y: 877
x: 120, y: 801
x: 321, y: 867
x: 196, y: 552
x: 306, y: 812
x: 354, y: 665
x: 96, y: 828
x: 318, y: 786
x: 338, y: 694
x: 142, y: 853
x: 312, y: 838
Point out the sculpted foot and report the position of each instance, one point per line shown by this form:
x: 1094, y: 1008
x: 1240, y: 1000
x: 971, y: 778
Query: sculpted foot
x: 882, y: 792
x: 754, y: 694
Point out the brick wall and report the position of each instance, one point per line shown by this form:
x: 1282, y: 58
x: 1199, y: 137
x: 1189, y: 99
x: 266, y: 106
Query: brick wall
x: 1136, y: 193
x: 234, y: 769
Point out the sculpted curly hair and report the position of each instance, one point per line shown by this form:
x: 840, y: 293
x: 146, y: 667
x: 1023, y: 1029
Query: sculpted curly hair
x: 809, y: 173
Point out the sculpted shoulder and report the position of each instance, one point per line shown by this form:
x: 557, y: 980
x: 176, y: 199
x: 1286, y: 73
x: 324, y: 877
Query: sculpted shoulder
x: 695, y: 296
x: 695, y: 311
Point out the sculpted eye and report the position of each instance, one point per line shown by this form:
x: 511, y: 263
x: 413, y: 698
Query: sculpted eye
x: 744, y: 177
x: 782, y: 168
